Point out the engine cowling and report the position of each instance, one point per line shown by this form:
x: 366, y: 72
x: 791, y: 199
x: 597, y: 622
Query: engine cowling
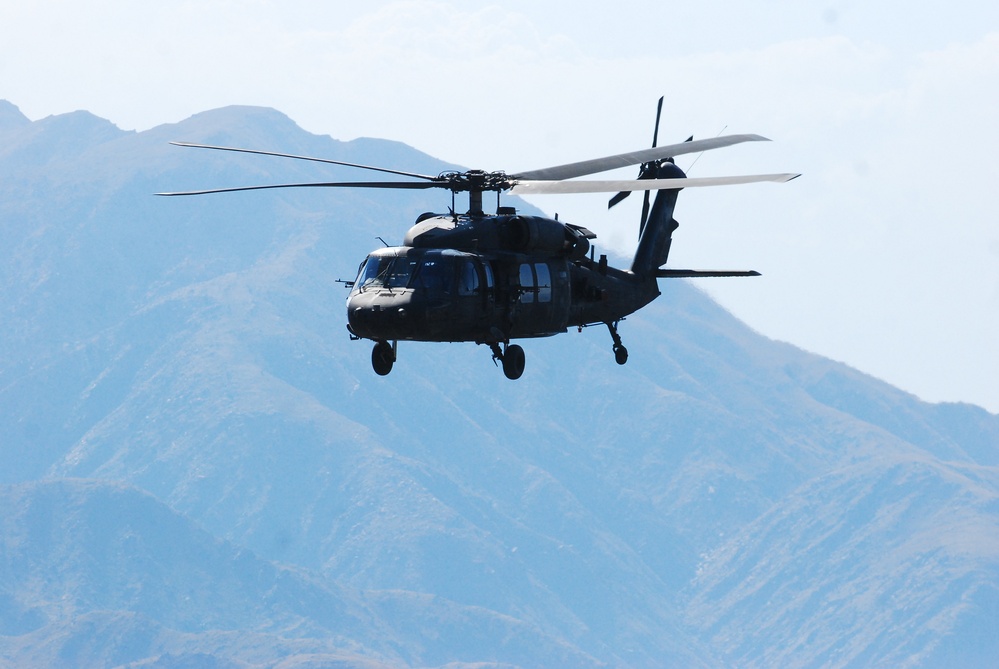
x: 519, y: 234
x: 533, y: 234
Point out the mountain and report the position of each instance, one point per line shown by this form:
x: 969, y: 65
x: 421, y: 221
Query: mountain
x: 96, y: 573
x: 722, y: 500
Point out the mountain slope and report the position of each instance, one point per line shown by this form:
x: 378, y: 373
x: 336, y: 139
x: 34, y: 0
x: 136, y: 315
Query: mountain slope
x: 722, y: 499
x: 100, y: 573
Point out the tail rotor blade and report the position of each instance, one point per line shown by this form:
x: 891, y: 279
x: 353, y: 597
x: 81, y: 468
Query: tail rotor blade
x: 618, y: 198
x: 655, y: 140
x: 645, y: 214
x: 659, y: 113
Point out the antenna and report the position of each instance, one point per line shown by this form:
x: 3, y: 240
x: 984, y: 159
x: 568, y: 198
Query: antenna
x: 702, y: 153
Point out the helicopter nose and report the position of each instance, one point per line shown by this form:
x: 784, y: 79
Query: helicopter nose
x: 380, y: 311
x: 376, y: 313
x: 378, y: 321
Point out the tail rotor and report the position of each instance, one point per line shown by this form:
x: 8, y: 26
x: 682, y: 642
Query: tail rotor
x: 647, y: 170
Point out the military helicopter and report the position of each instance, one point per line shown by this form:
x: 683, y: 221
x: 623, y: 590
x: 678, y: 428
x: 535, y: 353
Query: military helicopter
x: 492, y: 278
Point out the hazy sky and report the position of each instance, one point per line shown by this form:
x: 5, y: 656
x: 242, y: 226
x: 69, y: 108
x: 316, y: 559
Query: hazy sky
x: 884, y: 255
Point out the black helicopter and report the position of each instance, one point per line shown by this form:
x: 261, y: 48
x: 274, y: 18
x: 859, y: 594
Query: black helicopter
x: 492, y: 278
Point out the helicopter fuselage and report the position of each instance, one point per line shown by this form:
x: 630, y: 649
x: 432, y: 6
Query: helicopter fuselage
x: 492, y: 278
x: 489, y: 279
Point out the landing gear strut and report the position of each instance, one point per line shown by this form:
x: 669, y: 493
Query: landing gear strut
x: 383, y: 357
x: 620, y: 352
x: 512, y: 357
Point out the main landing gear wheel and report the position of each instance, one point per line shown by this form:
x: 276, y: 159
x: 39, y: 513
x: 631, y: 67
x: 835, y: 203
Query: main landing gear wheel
x: 382, y: 358
x: 512, y: 357
x: 514, y: 361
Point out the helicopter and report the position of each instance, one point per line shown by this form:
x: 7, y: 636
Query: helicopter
x: 491, y: 278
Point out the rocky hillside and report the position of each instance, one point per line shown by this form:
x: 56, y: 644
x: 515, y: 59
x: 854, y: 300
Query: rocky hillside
x: 199, y: 467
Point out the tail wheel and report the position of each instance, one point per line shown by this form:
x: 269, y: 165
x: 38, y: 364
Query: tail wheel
x: 514, y: 361
x: 382, y: 358
x: 620, y: 354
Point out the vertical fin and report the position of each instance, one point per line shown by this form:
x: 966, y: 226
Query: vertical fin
x: 657, y: 234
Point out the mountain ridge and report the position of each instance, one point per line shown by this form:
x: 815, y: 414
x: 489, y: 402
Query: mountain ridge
x: 11, y: 117
x: 195, y: 350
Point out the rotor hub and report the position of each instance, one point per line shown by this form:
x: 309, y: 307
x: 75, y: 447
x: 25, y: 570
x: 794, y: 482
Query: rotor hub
x: 475, y: 180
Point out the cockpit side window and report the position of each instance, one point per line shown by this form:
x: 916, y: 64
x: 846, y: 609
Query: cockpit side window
x: 359, y: 281
x: 435, y: 275
x: 468, y: 281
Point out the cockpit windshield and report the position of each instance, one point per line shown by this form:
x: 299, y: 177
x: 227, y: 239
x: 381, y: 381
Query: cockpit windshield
x: 436, y: 273
x: 385, y: 272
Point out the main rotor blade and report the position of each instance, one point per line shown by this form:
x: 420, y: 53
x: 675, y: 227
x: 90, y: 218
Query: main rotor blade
x: 554, y: 187
x: 572, y: 170
x: 414, y: 185
x: 694, y: 273
x: 309, y: 158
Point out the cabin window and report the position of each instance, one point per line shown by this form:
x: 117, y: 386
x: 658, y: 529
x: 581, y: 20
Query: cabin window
x: 526, y: 284
x: 490, y: 282
x: 468, y: 282
x: 544, y: 282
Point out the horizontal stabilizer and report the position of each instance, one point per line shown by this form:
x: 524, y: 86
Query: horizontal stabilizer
x: 689, y: 273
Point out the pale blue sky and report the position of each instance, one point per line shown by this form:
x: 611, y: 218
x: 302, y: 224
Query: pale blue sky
x: 884, y: 255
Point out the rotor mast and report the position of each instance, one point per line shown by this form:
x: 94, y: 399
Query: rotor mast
x: 476, y: 182
x: 475, y: 202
